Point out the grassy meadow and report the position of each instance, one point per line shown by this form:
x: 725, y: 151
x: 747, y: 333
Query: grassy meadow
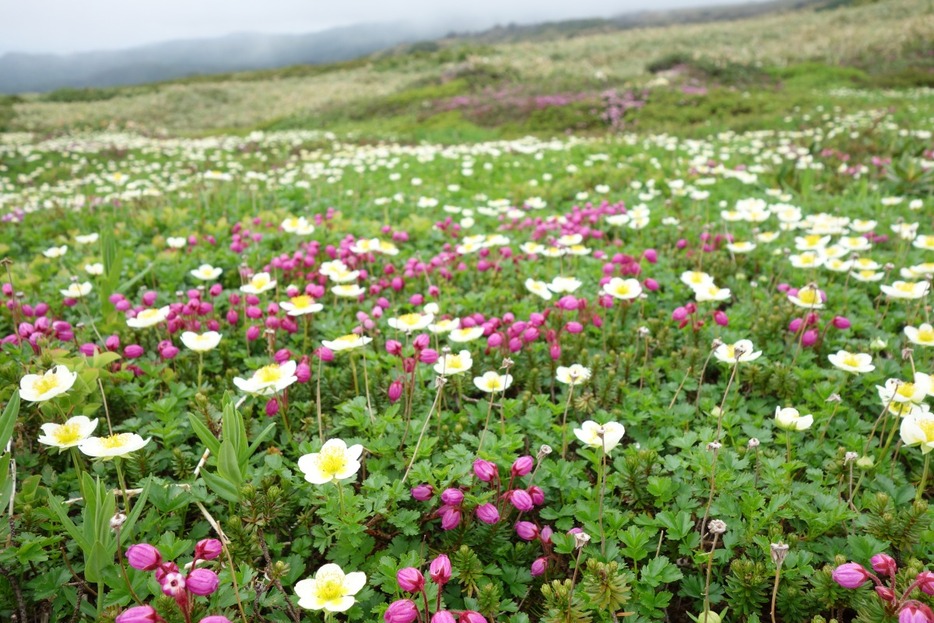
x: 621, y: 326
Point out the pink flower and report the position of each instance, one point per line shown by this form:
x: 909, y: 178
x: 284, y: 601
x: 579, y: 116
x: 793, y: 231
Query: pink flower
x: 450, y: 517
x: 216, y: 618
x: 850, y: 575
x: 395, y: 391
x: 422, y: 493
x: 485, y: 470
x: 520, y: 499
x: 202, y: 582
x: 915, y: 612
x: 527, y: 530
x: 139, y: 614
x: 440, y: 570
x: 143, y: 556
x: 443, y: 616
x: 925, y: 581
x: 452, y: 497
x: 469, y: 616
x: 522, y: 466
x: 538, y: 566
x: 487, y: 513
x: 884, y: 564
x: 410, y: 579
x: 401, y: 611
x: 173, y: 584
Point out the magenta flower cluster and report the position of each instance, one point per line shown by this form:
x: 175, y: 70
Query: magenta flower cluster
x: 853, y: 575
x: 411, y: 580
x: 182, y: 587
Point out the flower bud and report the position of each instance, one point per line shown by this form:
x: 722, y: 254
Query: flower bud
x: 915, y: 612
x: 522, y: 466
x: 537, y: 495
x: 410, y: 579
x: 272, y: 407
x: 202, y: 582
x: 401, y: 611
x: 721, y: 318
x: 809, y: 338
x: 886, y: 594
x: 139, y: 614
x: 208, y: 549
x: 443, y: 616
x: 395, y: 391
x: 485, y: 470
x: 521, y: 500
x: 422, y: 493
x: 452, y: 497
x: 303, y: 372
x: 440, y: 570
x: 883, y: 564
x: 470, y: 616
x: 143, y: 556
x: 850, y: 575
x: 487, y: 513
x: 925, y: 581
x: 538, y: 566
x: 841, y: 322
x: 133, y: 351
x: 450, y: 517
x: 527, y: 531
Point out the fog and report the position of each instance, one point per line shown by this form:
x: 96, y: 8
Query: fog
x: 66, y: 26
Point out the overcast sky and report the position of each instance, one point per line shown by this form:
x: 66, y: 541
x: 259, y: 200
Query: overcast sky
x: 62, y: 26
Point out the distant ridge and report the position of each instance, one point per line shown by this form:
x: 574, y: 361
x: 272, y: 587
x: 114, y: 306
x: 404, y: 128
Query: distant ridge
x: 170, y: 60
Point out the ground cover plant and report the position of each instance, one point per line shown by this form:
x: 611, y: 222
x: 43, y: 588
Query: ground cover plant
x: 290, y: 376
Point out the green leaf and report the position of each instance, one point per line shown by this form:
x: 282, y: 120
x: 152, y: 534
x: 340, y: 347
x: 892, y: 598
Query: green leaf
x: 77, y: 535
x: 660, y: 571
x: 204, y: 434
x: 221, y: 487
x: 228, y: 467
x: 8, y: 420
x: 260, y: 439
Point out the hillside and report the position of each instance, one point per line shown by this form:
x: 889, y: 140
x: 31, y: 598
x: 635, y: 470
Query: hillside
x: 554, y: 81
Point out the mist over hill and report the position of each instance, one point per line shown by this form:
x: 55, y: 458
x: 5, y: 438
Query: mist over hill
x: 21, y: 72
x: 176, y: 59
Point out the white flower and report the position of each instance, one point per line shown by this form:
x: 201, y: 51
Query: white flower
x: 347, y: 342
x: 268, y: 379
x: 94, y: 269
x: 411, y: 322
x: 54, y: 252
x: 148, y: 318
x: 67, y: 435
x: 596, y: 435
x: 696, y: 278
x: 858, y: 363
x: 623, y: 289
x: 334, y: 462
x: 742, y: 350
x: 560, y: 285
x: 906, y: 289
x: 330, y: 589
x: 42, y: 387
x: 539, y: 288
x: 259, y: 283
x: 922, y: 336
x: 86, y: 238
x: 77, y: 290
x: 113, y: 446
x: 175, y: 242
x: 711, y: 292
x: 788, y: 418
x: 918, y: 430
x: 349, y: 291
x: 299, y: 226
x: 915, y: 391
x: 808, y: 297
x: 201, y: 343
x: 465, y: 335
x: 492, y: 382
x: 445, y: 326
x: 741, y: 247
x: 206, y: 272
x: 450, y: 363
x: 301, y: 305
x: 572, y: 375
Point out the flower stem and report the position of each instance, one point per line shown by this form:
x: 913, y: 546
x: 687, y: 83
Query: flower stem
x: 564, y: 422
x: 924, y: 477
x: 120, y: 479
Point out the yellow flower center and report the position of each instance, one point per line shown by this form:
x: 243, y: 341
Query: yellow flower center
x: 259, y: 281
x: 492, y: 383
x: 808, y: 296
x: 410, y: 319
x: 622, y: 289
x: 147, y: 314
x: 302, y: 302
x: 926, y: 335
x: 454, y: 362
x: 45, y: 383
x: 905, y: 286
x: 730, y: 352
x: 332, y: 460
x: 330, y: 588
x: 269, y: 374
x: 67, y: 434
x: 812, y: 240
x: 347, y: 339
x: 906, y: 389
x: 927, y: 425
x: 114, y: 441
x: 851, y: 360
